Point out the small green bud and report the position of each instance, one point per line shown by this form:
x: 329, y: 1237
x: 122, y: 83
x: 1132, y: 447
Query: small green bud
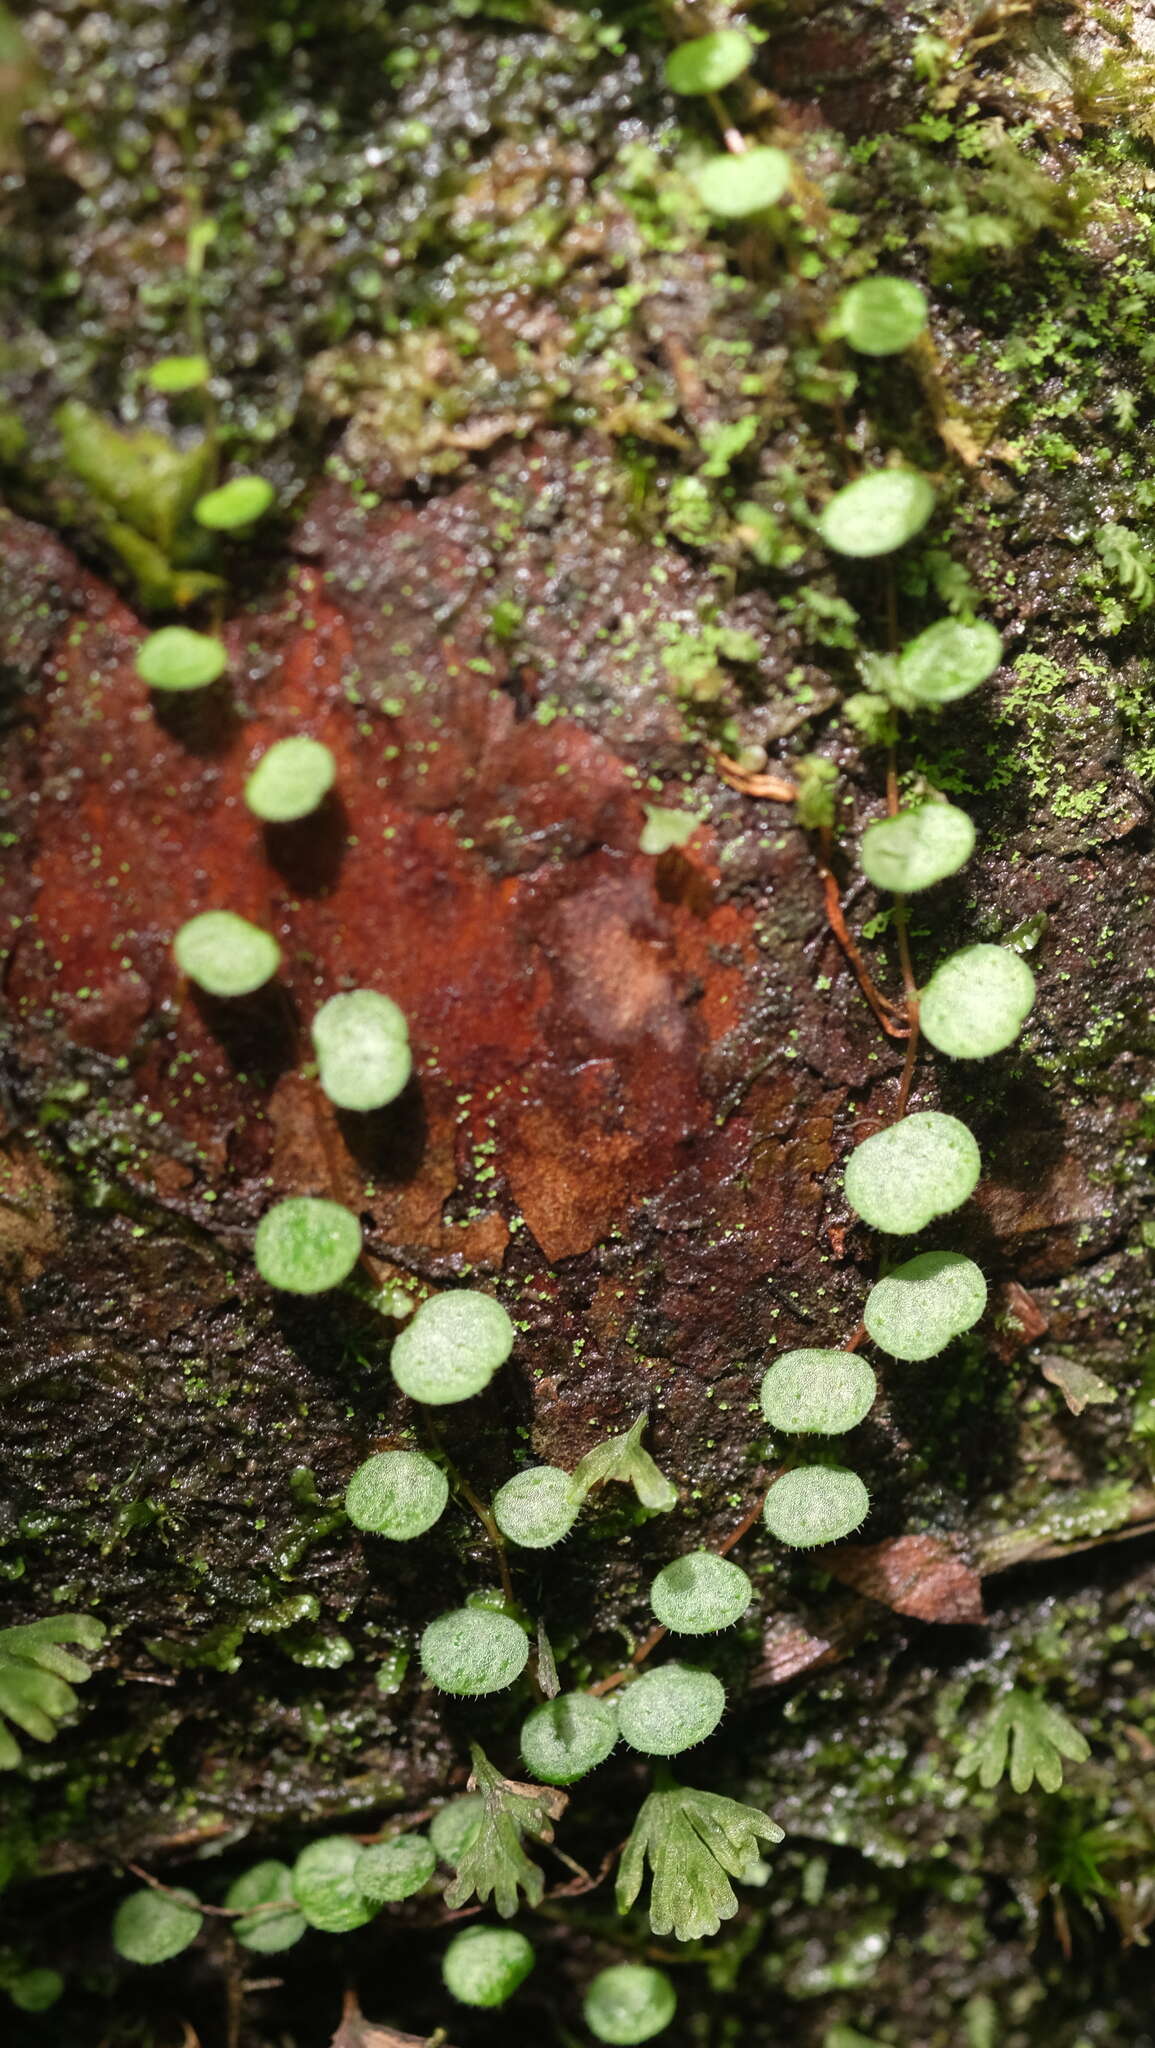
x: 877, y: 513
x: 485, y: 1965
x: 629, y: 2003
x: 290, y: 780
x: 536, y: 1508
x: 152, y: 1927
x: 916, y: 1310
x: 566, y: 1737
x: 399, y: 1494
x: 325, y: 1885
x: 362, y: 1045
x: 176, y: 658
x: 452, y: 1348
x: 225, y: 954
x: 266, y: 1884
x: 699, y: 1593
x: 922, y: 1167
x: 470, y: 1650
x: 815, y: 1504
x: 670, y: 1709
x: 237, y: 503
x: 306, y: 1244
x: 820, y: 1392
x: 388, y: 1871
x: 34, y: 1990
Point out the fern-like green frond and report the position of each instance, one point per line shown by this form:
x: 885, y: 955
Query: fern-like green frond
x: 37, y: 1675
x: 493, y: 1864
x: 694, y: 1842
x: 1033, y: 1735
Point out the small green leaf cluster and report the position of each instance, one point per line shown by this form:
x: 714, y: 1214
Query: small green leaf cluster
x: 37, y: 1677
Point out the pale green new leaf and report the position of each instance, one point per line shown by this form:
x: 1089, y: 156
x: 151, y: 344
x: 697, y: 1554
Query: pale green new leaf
x: 622, y: 1457
x: 694, y: 1842
x: 1035, y: 1735
x: 493, y: 1864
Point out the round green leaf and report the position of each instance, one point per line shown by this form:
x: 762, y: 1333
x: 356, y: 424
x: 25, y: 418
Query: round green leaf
x: 471, y: 1650
x: 176, y: 658
x: 701, y: 1592
x: 237, y: 503
x: 917, y: 848
x: 877, y: 513
x: 290, y: 780
x: 455, y: 1827
x: 823, y: 1393
x: 815, y: 1504
x: 709, y: 63
x: 35, y: 1990
x: 628, y: 2003
x: 393, y: 1870
x: 536, y: 1508
x: 949, y: 660
x: 152, y: 1927
x: 325, y: 1885
x: 306, y: 1244
x: 916, y: 1310
x: 361, y: 1040
x: 452, y: 1348
x: 670, y: 1709
x: 977, y: 1002
x: 734, y: 186
x: 879, y: 316
x: 567, y: 1737
x: 266, y: 1885
x: 399, y: 1494
x: 174, y: 374
x: 485, y: 1965
x: 922, y: 1167
x: 225, y: 954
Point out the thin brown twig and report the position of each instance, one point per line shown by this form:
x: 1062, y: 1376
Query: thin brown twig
x: 733, y: 137
x: 880, y: 1004
x: 172, y: 1892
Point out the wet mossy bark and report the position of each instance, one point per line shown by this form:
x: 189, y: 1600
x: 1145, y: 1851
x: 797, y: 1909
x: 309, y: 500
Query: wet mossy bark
x: 546, y: 446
